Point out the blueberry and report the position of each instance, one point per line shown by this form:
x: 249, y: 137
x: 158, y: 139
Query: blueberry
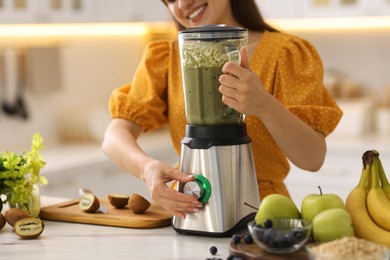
x: 290, y: 239
x: 280, y: 241
x: 213, y: 250
x: 271, y: 243
x: 236, y: 239
x: 299, y: 235
x: 268, y: 223
x: 268, y: 236
x: 248, y: 239
x: 260, y: 234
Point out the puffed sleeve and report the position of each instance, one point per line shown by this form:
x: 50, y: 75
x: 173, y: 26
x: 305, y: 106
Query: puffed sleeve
x: 299, y: 86
x: 144, y: 100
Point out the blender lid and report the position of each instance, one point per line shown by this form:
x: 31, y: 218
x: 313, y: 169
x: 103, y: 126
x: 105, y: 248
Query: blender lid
x: 213, y: 28
x: 213, y: 32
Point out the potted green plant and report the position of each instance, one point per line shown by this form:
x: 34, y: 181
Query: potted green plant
x: 20, y: 177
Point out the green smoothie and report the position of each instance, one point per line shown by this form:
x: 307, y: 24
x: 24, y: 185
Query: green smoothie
x: 203, y: 100
x: 202, y: 63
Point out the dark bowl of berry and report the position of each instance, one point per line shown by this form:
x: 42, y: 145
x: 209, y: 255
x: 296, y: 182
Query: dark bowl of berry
x: 280, y: 235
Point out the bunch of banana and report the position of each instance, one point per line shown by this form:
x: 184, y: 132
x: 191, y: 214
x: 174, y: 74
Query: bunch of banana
x: 368, y: 206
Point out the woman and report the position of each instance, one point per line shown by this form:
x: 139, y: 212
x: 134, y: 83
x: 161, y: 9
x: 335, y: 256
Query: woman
x: 278, y: 87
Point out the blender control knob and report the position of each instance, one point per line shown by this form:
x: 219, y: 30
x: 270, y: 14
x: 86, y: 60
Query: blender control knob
x: 193, y: 188
x: 200, y: 188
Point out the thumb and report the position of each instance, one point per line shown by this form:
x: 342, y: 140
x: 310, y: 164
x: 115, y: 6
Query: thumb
x: 244, y: 58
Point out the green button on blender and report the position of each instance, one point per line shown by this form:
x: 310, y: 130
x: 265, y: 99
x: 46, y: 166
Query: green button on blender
x: 205, y: 186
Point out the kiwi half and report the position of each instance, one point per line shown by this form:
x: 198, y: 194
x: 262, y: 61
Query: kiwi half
x: 118, y: 200
x: 29, y: 228
x: 89, y: 203
x: 138, y: 204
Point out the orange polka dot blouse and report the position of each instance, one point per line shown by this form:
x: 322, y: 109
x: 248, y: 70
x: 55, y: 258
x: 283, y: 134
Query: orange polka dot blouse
x: 289, y: 68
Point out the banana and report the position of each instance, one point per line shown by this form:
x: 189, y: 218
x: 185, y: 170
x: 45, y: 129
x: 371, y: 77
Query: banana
x: 377, y: 203
x: 385, y: 183
x: 355, y: 204
x: 368, y: 183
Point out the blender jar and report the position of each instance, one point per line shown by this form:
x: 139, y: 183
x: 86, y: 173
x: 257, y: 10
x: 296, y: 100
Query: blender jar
x: 203, y: 52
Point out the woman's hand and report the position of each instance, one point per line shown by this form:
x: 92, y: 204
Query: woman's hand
x: 243, y: 91
x: 120, y: 142
x: 157, y: 175
x: 240, y: 87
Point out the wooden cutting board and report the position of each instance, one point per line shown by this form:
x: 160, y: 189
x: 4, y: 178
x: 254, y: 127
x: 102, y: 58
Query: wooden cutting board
x: 254, y: 252
x: 69, y: 211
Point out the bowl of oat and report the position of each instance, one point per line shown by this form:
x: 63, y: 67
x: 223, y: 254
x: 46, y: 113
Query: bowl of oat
x: 348, y: 248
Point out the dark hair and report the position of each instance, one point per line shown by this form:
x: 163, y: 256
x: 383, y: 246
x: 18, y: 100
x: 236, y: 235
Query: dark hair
x: 246, y: 13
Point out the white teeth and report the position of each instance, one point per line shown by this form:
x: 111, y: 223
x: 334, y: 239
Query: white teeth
x: 196, y: 12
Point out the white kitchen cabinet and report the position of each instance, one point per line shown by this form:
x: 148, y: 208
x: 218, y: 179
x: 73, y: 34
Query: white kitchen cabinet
x: 343, y: 8
x: 273, y: 9
x: 148, y: 11
x: 43, y: 11
x: 61, y: 11
x: 79, y: 11
x: 129, y: 11
x: 18, y: 11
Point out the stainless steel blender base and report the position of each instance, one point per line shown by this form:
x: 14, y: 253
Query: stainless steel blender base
x: 231, y: 173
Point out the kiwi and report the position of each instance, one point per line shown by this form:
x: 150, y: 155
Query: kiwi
x: 89, y: 203
x: 118, y: 200
x: 138, y: 204
x: 2, y: 221
x: 14, y: 214
x: 29, y: 228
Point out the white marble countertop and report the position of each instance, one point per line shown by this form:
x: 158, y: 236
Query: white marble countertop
x: 61, y: 240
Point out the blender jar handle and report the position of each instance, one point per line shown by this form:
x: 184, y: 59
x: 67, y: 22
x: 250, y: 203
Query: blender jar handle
x: 233, y: 54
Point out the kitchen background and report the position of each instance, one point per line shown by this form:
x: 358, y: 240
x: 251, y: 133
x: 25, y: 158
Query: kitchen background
x: 60, y: 60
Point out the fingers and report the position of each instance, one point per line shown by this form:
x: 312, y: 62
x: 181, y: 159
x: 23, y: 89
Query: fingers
x: 229, y: 82
x: 176, y: 202
x: 182, y: 177
x: 179, y: 214
x: 231, y: 102
x: 230, y: 88
x: 157, y: 177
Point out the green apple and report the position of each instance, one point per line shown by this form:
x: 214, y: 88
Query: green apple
x: 332, y: 224
x: 276, y: 206
x: 313, y: 204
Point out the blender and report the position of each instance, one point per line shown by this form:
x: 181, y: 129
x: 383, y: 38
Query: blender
x: 216, y: 148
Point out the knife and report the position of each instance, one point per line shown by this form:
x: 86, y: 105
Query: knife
x: 102, y: 208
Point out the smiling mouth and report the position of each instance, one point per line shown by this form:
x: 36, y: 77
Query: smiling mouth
x: 196, y: 12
